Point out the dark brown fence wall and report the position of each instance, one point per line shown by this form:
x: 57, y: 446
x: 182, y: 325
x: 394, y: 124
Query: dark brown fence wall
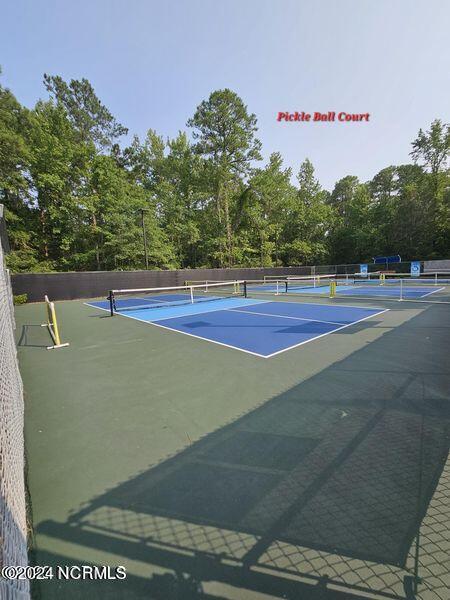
x: 95, y: 284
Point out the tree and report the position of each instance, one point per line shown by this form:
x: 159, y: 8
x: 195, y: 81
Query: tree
x: 307, y: 221
x: 351, y: 235
x: 58, y: 166
x: 73, y: 197
x: 266, y: 207
x: 112, y: 238
x: 225, y: 134
x: 170, y: 173
x: 14, y: 154
x: 432, y: 147
x: 90, y: 118
x: 14, y: 181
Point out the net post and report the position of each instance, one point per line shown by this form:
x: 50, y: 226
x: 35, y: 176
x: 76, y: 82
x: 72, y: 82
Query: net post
x: 286, y: 284
x: 111, y: 303
x: 278, y: 288
x: 401, y: 290
x: 435, y: 278
x: 191, y: 291
x: 245, y: 289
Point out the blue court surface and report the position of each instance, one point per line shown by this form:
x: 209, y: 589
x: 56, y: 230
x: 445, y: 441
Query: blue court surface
x: 367, y: 290
x: 387, y: 291
x: 257, y: 327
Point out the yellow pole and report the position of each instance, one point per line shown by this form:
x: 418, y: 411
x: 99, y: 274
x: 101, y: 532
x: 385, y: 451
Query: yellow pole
x: 54, y: 323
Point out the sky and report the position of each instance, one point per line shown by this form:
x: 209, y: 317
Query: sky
x: 152, y: 62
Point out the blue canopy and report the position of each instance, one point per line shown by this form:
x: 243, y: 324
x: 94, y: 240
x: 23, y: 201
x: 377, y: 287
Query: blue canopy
x: 383, y: 260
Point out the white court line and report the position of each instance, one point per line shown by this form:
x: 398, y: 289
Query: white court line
x: 256, y: 353
x: 199, y: 337
x: 97, y: 307
x: 433, y: 292
x: 330, y: 303
x: 255, y: 302
x: 184, y: 332
x: 237, y: 347
x: 327, y: 333
x: 206, y: 312
x: 281, y: 316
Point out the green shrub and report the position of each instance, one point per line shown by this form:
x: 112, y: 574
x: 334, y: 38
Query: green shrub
x: 20, y: 299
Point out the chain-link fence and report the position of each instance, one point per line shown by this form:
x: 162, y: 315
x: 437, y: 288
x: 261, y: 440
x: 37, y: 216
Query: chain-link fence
x: 13, y: 524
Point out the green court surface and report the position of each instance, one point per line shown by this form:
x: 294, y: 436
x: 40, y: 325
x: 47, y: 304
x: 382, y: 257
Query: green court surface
x: 214, y: 474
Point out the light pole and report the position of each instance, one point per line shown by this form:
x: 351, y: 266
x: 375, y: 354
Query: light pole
x: 144, y: 233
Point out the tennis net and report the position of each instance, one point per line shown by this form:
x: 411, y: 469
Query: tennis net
x: 301, y: 284
x: 350, y: 277
x: 315, y: 281
x: 368, y: 280
x: 380, y: 285
x: 437, y: 278
x: 145, y: 298
x: 273, y: 278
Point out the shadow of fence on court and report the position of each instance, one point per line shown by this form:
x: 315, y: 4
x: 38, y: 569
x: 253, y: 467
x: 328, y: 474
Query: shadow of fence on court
x: 336, y: 488
x: 33, y: 336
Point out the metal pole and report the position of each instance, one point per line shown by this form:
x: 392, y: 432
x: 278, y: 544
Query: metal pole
x: 111, y: 303
x: 143, y: 210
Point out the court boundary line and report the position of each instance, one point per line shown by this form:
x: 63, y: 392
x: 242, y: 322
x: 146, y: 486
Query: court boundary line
x: 433, y: 292
x: 326, y: 303
x: 327, y: 333
x: 392, y: 297
x: 199, y: 337
x: 255, y: 302
x: 156, y: 324
x: 282, y: 316
x: 237, y: 347
x: 97, y: 307
x: 206, y: 312
x: 341, y: 295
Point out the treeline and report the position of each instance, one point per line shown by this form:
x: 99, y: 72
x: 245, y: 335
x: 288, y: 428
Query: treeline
x: 74, y: 196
